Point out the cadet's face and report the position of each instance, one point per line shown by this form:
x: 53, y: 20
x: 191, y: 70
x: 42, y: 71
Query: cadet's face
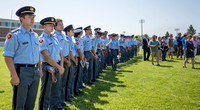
x: 71, y: 33
x: 95, y: 33
x: 113, y: 38
x: 59, y: 26
x: 88, y: 31
x: 98, y: 35
x: 28, y: 20
x: 81, y: 33
x: 48, y: 27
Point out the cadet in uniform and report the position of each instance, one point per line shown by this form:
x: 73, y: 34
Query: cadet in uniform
x: 107, y: 51
x: 52, y: 64
x: 89, y: 54
x: 127, y: 48
x: 99, y: 52
x: 121, y: 44
x: 109, y: 54
x: 69, y: 30
x: 81, y: 60
x: 21, y: 52
x: 95, y: 61
x: 64, y: 43
x: 104, y: 40
x: 115, y: 50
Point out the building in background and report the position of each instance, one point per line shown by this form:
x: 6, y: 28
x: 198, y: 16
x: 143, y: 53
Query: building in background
x: 6, y: 25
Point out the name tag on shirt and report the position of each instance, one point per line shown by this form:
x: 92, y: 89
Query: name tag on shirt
x: 25, y: 43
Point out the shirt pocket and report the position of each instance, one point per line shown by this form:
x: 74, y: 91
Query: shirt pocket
x: 36, y: 46
x: 50, y: 46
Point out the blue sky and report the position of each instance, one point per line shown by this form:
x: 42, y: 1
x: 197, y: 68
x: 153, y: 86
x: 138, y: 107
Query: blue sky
x: 115, y: 15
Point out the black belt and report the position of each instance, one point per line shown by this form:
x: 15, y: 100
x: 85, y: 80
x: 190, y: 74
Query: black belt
x: 27, y: 65
x: 114, y: 49
x: 49, y: 64
x: 87, y: 51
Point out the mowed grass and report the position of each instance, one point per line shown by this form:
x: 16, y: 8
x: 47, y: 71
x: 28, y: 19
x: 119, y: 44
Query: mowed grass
x: 135, y: 85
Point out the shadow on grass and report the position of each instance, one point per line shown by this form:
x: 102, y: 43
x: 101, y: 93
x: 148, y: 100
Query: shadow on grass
x: 134, y: 61
x: 2, y: 91
x: 197, y: 63
x: 165, y: 66
x: 171, y: 61
x: 94, y: 94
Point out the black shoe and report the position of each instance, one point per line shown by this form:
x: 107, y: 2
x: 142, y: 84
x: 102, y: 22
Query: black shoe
x: 82, y: 87
x: 95, y: 81
x: 90, y: 83
x: 99, y: 77
x: 79, y: 93
x: 69, y: 100
x: 60, y: 109
x: 64, y: 105
x: 72, y: 97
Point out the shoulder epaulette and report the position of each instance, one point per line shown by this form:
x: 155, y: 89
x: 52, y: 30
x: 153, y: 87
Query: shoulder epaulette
x: 14, y: 30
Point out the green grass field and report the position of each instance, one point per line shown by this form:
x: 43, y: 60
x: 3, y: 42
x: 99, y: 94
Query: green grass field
x: 135, y: 85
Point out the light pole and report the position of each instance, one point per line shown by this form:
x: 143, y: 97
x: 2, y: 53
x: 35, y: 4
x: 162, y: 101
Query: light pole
x: 124, y: 32
x: 141, y: 21
x: 176, y: 29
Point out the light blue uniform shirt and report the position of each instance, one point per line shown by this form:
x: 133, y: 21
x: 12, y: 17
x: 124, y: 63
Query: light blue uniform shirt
x: 114, y: 44
x: 78, y: 44
x: 133, y: 42
x: 106, y: 41
x: 198, y: 42
x: 51, y: 44
x: 23, y: 46
x: 120, y: 42
x: 110, y: 41
x: 183, y: 42
x: 136, y: 42
x: 129, y: 42
x: 126, y: 42
x: 103, y: 42
x: 99, y: 42
x: 95, y: 44
x: 71, y: 45
x: 175, y: 42
x: 64, y: 43
x: 87, y: 42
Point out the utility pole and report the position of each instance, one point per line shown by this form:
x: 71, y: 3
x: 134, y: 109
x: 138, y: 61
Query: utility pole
x: 141, y: 21
x: 177, y: 29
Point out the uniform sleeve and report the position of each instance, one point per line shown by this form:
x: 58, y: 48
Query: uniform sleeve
x: 93, y: 42
x: 43, y: 44
x: 11, y: 45
x: 78, y: 45
x: 118, y: 43
x: 70, y: 46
